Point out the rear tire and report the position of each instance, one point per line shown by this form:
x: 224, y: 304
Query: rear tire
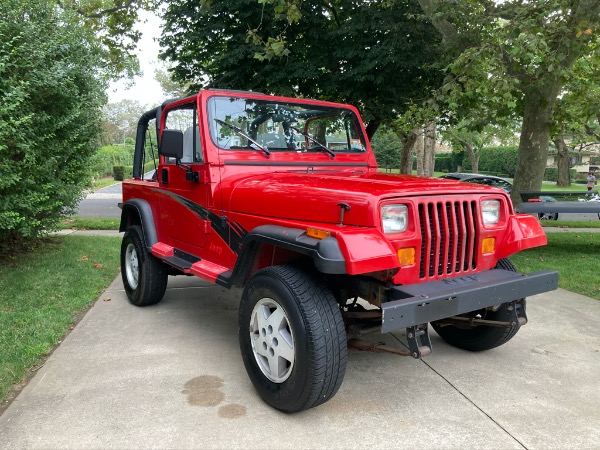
x: 292, y: 338
x: 480, y: 338
x: 144, y: 276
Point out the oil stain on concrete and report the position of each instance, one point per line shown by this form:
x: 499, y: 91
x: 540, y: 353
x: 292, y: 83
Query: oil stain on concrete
x: 232, y: 411
x: 206, y: 391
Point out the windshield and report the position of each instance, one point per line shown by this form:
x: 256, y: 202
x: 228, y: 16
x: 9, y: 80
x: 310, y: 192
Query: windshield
x: 279, y: 126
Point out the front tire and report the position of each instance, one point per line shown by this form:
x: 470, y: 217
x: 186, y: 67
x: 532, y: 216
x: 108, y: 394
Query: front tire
x: 292, y: 338
x: 144, y: 276
x: 482, y: 337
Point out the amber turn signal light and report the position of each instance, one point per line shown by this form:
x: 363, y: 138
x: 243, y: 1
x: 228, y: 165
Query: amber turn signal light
x: 316, y: 233
x: 406, y: 256
x: 488, y: 245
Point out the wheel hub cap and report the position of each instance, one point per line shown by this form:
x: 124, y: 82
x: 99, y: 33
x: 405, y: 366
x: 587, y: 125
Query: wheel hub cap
x: 272, y: 340
x: 132, y: 266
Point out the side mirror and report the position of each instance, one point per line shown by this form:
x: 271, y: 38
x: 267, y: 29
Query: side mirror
x: 171, y: 144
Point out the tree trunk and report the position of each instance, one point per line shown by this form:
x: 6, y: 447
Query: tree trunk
x: 408, y: 143
x: 472, y: 156
x: 419, y: 153
x: 429, y: 149
x: 562, y: 161
x: 535, y: 136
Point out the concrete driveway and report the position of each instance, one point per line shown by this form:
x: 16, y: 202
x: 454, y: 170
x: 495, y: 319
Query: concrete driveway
x: 171, y: 376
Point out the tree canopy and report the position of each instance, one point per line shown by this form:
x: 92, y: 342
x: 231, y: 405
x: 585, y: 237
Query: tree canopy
x: 381, y: 56
x: 120, y: 120
x: 517, y: 57
x: 514, y: 57
x: 112, y: 23
x: 576, y: 124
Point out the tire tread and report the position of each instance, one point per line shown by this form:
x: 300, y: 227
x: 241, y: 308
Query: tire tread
x: 153, y: 276
x: 325, y: 332
x: 483, y: 337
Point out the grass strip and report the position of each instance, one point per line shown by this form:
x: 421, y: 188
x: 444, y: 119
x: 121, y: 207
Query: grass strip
x: 90, y: 223
x: 103, y: 182
x: 573, y: 255
x: 575, y: 187
x: 41, y: 294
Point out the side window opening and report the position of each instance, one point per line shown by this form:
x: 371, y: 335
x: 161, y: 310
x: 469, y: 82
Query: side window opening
x: 150, y: 153
x: 185, y: 120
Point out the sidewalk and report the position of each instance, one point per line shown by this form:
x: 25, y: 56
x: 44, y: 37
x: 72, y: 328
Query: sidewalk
x: 570, y: 230
x: 171, y: 376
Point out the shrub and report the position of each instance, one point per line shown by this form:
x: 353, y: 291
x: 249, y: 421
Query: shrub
x: 386, y: 146
x: 108, y: 156
x: 122, y: 172
x: 119, y: 173
x: 448, y: 162
x: 500, y: 161
x: 51, y: 95
x: 551, y: 174
x: 443, y: 163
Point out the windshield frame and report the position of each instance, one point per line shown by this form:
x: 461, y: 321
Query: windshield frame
x: 279, y: 116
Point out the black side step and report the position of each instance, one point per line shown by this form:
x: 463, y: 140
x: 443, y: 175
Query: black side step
x: 181, y: 260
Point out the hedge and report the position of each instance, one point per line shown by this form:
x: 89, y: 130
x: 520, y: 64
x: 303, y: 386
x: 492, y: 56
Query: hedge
x: 119, y: 173
x: 127, y: 171
x: 110, y: 156
x: 551, y: 174
x: 500, y: 161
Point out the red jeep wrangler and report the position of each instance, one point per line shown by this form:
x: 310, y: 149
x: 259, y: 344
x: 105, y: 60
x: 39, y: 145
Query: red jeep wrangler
x: 282, y: 197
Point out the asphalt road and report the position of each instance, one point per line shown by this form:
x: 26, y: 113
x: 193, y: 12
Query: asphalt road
x: 101, y: 203
x: 171, y: 376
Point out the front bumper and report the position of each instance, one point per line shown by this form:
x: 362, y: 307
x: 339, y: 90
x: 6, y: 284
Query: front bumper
x: 414, y: 304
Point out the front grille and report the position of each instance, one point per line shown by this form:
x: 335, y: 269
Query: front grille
x: 449, y: 233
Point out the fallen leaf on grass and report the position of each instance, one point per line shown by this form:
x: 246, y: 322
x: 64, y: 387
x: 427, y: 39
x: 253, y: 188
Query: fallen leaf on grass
x: 98, y: 265
x: 83, y: 258
x: 541, y: 259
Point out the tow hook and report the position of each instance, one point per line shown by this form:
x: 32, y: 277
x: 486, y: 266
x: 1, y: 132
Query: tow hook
x: 418, y: 340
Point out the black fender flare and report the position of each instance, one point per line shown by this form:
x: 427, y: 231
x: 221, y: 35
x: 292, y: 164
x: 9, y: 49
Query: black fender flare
x: 325, y: 253
x: 142, y: 209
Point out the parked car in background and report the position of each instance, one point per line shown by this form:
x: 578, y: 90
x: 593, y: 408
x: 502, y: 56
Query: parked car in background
x: 491, y: 180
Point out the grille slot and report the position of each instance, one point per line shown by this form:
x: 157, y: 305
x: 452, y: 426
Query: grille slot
x: 449, y: 233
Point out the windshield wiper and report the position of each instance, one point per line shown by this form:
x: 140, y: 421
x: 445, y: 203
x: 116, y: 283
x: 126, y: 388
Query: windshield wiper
x: 264, y: 149
x: 312, y: 139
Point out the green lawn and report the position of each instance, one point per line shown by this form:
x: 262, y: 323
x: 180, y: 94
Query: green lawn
x: 90, y: 223
x: 41, y: 294
x: 573, y: 188
x: 102, y: 183
x: 574, y: 255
